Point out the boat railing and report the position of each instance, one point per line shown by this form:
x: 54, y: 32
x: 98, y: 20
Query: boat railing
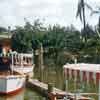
x: 2, y: 55
x: 22, y: 60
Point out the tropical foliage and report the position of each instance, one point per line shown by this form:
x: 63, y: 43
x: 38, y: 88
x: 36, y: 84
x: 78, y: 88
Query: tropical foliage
x: 61, y: 44
x: 81, y: 9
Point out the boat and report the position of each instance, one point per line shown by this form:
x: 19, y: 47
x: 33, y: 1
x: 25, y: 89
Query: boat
x: 23, y: 63
x: 10, y: 80
x: 83, y: 72
x: 84, y: 75
x: 17, y: 96
x: 11, y: 84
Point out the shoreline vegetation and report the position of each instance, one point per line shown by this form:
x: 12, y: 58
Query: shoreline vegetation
x: 60, y: 44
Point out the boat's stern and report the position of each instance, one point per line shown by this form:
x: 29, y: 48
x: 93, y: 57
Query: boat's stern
x: 11, y: 84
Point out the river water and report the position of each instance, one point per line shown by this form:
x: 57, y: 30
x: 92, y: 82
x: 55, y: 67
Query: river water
x: 49, y: 75
x: 54, y: 76
x: 23, y: 95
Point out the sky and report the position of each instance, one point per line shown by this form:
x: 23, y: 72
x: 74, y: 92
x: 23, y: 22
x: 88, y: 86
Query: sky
x: 63, y: 12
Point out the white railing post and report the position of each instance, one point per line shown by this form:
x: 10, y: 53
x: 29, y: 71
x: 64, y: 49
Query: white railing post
x: 99, y: 90
x: 12, y: 63
x: 21, y: 60
x: 75, y: 80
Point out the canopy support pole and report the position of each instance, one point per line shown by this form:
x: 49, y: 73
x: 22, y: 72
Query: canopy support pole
x: 99, y: 90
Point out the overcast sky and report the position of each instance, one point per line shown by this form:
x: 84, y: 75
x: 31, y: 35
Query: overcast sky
x: 13, y: 12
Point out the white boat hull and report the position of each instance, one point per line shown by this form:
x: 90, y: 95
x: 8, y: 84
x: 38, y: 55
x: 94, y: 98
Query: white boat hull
x: 27, y: 70
x: 11, y: 84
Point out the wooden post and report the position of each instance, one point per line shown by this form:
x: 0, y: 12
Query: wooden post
x: 50, y: 87
x: 41, y: 56
x: 27, y: 78
x: 50, y: 92
x: 53, y: 98
x: 41, y: 61
x: 36, y: 57
x: 33, y: 53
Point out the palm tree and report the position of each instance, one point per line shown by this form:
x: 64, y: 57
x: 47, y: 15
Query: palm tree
x: 81, y: 13
x: 97, y: 11
x: 9, y: 29
x: 97, y: 45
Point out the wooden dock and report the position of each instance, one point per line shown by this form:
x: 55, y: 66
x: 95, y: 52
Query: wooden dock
x: 55, y: 94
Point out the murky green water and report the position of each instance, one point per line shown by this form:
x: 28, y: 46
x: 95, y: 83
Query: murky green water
x: 48, y: 76
x: 23, y: 95
x: 57, y: 78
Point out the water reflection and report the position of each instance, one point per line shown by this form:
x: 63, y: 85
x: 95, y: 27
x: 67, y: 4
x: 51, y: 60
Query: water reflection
x: 26, y: 94
x: 49, y: 76
x: 31, y: 95
x: 18, y: 96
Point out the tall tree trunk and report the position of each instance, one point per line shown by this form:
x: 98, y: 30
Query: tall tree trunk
x: 84, y: 21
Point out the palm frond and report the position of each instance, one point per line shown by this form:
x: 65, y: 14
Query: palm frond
x: 80, y: 16
x: 98, y: 33
x: 95, y: 12
x: 88, y: 6
x: 98, y: 7
x: 79, y: 11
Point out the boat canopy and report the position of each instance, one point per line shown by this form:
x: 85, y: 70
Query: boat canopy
x: 84, y: 67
